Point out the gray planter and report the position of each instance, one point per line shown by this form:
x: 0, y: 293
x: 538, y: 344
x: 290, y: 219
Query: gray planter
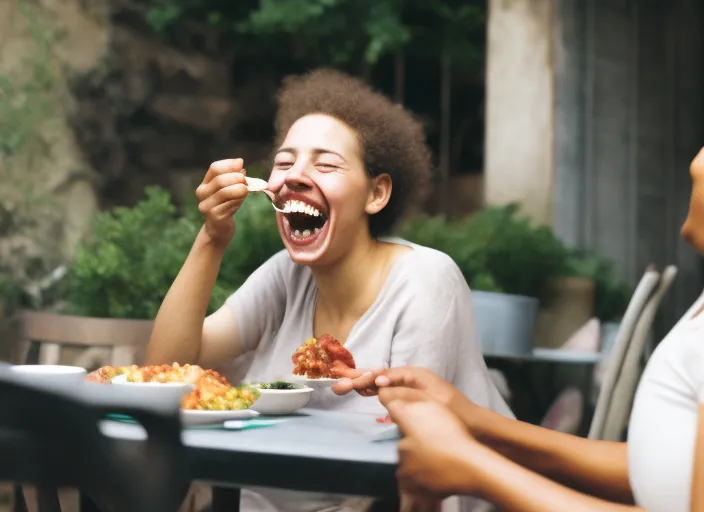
x: 505, y: 323
x: 609, y: 330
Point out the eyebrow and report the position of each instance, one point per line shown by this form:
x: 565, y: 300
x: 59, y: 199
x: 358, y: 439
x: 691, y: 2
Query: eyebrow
x: 316, y: 151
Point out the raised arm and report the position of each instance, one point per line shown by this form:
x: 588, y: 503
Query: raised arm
x: 181, y: 332
x: 598, y: 468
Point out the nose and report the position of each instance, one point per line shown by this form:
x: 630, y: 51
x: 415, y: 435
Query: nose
x: 297, y: 177
x: 686, y: 232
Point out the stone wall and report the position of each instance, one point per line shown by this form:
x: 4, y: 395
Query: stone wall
x: 124, y: 110
x: 47, y: 195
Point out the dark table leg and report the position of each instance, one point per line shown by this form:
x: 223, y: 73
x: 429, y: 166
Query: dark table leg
x: 386, y: 506
x: 20, y: 505
x: 86, y: 503
x: 48, y: 499
x: 226, y: 499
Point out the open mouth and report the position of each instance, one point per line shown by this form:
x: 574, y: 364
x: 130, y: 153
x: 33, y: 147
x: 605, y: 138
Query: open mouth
x: 305, y: 221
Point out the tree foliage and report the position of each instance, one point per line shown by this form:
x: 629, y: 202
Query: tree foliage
x: 337, y: 32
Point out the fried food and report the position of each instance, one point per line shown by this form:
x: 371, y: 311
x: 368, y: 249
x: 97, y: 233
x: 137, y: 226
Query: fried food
x: 212, y: 391
x: 318, y: 358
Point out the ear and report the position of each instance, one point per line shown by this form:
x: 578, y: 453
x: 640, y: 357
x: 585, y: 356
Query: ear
x: 379, y: 194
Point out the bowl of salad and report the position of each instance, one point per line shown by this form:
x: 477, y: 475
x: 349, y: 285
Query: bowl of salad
x: 280, y: 397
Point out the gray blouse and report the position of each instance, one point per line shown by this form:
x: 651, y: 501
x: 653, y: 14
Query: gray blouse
x: 423, y: 316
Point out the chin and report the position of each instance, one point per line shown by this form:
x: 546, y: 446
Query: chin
x: 306, y: 245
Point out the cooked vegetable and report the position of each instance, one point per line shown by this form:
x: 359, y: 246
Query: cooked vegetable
x: 279, y: 384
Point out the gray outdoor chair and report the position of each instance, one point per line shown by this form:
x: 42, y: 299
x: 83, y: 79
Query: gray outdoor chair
x: 642, y: 294
x: 624, y: 367
x: 50, y: 438
x: 624, y: 391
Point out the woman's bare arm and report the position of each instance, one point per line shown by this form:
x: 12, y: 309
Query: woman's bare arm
x: 515, y: 488
x: 181, y: 332
x: 599, y: 468
x: 698, y: 472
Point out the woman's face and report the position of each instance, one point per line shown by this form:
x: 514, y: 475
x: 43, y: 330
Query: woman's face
x: 320, y: 180
x: 693, y: 228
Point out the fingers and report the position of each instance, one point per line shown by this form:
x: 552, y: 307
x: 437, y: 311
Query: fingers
x: 361, y: 381
x: 399, y: 413
x: 236, y: 192
x: 345, y: 372
x: 219, y: 182
x: 403, y: 376
x: 231, y: 165
x: 393, y: 394
x: 225, y: 210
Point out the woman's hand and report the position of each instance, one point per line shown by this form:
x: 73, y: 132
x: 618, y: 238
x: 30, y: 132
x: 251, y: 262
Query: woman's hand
x: 436, y: 451
x: 352, y: 379
x: 424, y: 380
x: 220, y: 195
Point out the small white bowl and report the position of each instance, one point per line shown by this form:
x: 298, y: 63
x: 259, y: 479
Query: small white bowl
x: 275, y: 402
x: 165, y: 390
x: 50, y: 373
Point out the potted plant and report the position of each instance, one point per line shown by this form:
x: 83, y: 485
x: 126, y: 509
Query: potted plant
x: 122, y: 271
x: 509, y: 264
x: 611, y: 294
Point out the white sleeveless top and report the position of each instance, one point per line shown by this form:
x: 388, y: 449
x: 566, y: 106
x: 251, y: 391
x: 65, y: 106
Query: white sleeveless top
x: 663, y: 424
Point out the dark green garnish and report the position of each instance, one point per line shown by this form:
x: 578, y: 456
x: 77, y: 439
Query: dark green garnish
x: 279, y: 384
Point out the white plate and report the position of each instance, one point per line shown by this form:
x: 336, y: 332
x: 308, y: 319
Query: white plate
x: 153, y: 390
x: 50, y: 373
x: 195, y: 417
x: 312, y: 383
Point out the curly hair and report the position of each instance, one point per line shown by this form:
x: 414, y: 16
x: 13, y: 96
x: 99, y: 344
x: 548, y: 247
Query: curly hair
x: 391, y: 140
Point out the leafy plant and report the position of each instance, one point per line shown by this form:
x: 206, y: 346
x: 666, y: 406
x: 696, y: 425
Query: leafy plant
x: 496, y: 250
x: 9, y: 294
x: 26, y: 100
x: 611, y: 294
x: 335, y: 32
x: 125, y: 268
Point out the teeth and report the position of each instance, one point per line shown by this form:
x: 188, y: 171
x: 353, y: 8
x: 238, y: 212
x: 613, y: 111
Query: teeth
x: 296, y: 233
x: 316, y: 230
x: 306, y: 233
x: 294, y: 206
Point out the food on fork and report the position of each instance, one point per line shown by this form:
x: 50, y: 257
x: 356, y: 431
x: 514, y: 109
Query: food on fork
x: 212, y: 391
x: 319, y: 358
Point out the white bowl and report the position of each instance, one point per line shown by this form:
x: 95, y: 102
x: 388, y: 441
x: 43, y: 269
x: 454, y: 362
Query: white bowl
x: 163, y: 390
x: 50, y: 373
x: 281, y: 401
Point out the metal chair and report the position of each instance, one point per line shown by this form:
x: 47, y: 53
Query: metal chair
x: 50, y: 438
x: 644, y: 291
x: 624, y: 391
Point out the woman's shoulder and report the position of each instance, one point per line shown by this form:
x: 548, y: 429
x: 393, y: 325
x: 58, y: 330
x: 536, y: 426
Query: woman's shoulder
x: 429, y: 266
x: 280, y: 266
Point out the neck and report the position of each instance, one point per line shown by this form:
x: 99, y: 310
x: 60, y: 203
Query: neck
x: 349, y: 285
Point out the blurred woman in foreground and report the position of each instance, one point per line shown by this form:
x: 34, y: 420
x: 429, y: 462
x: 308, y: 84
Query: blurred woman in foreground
x: 453, y: 446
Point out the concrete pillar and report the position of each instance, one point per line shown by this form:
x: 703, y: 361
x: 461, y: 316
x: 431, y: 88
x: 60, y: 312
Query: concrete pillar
x: 519, y: 105
x: 593, y: 110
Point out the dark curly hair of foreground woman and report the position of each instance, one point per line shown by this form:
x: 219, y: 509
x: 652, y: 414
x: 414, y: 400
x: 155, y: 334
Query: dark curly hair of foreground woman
x: 392, y: 141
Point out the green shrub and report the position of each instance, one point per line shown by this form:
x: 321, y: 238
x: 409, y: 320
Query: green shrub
x: 496, y: 250
x: 611, y: 294
x: 132, y: 256
x: 499, y: 251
